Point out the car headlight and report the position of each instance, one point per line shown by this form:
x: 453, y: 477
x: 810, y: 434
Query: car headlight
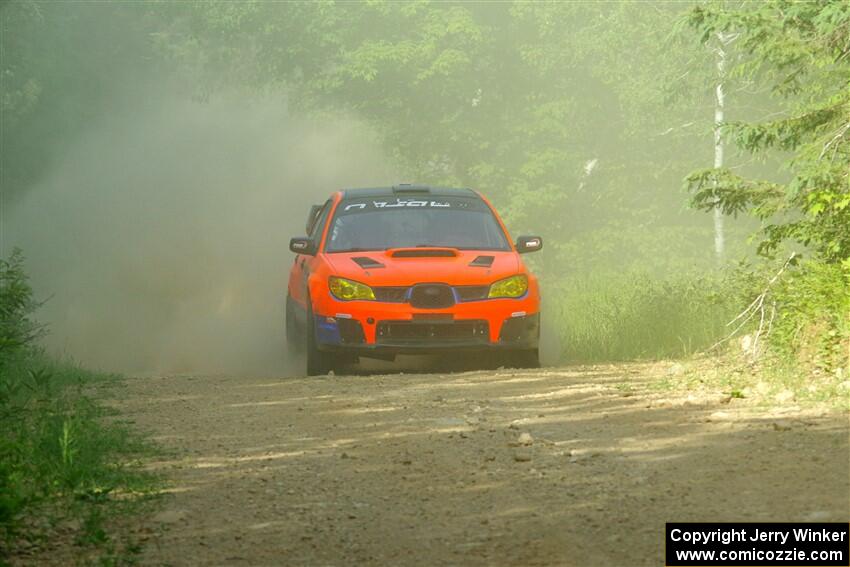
x: 514, y: 286
x: 348, y: 290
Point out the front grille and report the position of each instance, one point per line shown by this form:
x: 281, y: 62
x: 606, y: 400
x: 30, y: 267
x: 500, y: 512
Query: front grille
x: 424, y: 332
x: 398, y: 294
x: 432, y: 296
x: 390, y: 294
x: 472, y: 292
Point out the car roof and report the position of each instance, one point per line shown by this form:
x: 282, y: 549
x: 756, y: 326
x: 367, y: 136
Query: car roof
x: 407, y: 189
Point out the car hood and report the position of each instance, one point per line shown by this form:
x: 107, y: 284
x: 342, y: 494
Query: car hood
x: 408, y: 266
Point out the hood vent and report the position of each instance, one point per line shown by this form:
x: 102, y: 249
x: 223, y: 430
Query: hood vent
x: 482, y: 261
x: 424, y: 253
x: 366, y: 262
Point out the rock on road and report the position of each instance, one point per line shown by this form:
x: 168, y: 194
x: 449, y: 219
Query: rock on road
x: 563, y: 466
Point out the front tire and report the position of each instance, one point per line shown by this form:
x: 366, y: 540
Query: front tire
x: 294, y: 344
x: 318, y: 362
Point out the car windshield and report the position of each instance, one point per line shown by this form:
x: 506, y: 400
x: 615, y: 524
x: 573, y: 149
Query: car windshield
x: 398, y: 223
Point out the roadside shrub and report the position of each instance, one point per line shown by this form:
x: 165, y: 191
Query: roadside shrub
x: 812, y: 325
x: 58, y: 453
x: 17, y: 334
x: 17, y: 330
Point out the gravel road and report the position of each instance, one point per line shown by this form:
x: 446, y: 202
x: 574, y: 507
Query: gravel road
x: 561, y: 466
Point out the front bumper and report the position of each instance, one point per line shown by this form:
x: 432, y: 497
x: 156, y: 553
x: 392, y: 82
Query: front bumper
x: 427, y: 333
x: 401, y: 327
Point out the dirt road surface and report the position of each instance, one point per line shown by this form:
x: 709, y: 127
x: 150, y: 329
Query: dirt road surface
x: 570, y: 466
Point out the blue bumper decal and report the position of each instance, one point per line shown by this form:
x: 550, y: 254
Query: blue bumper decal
x: 327, y: 333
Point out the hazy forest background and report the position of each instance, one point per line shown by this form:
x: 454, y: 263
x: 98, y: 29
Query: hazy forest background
x: 156, y: 157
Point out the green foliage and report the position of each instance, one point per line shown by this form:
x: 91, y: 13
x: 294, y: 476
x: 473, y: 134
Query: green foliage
x: 19, y: 89
x: 578, y: 119
x: 802, y: 50
x: 17, y: 330
x: 57, y: 452
x: 633, y: 315
x: 813, y: 316
x: 61, y: 64
x: 572, y: 117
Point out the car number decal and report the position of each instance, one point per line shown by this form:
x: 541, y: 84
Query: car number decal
x: 398, y: 203
x: 374, y: 204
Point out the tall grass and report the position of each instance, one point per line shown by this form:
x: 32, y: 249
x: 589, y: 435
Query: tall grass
x: 62, y: 460
x: 604, y: 317
x: 57, y: 441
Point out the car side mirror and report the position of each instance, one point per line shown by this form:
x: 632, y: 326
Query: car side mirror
x: 302, y: 245
x: 526, y: 244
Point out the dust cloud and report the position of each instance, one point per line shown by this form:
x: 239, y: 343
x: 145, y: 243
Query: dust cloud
x: 161, y: 237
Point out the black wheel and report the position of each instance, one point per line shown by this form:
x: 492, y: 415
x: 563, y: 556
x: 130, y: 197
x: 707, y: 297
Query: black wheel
x: 294, y: 334
x: 523, y: 358
x: 318, y: 362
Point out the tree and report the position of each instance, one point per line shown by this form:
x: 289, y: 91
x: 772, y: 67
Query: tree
x: 60, y: 65
x: 723, y: 42
x: 513, y: 99
x: 803, y: 51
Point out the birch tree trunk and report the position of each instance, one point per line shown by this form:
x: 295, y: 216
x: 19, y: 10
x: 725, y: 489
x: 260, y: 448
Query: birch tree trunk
x: 719, y: 115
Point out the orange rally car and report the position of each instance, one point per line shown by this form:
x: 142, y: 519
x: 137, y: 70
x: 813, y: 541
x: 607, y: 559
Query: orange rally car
x: 410, y: 269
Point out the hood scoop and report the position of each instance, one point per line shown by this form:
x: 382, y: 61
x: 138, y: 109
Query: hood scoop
x: 424, y: 252
x: 366, y: 263
x: 482, y: 262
